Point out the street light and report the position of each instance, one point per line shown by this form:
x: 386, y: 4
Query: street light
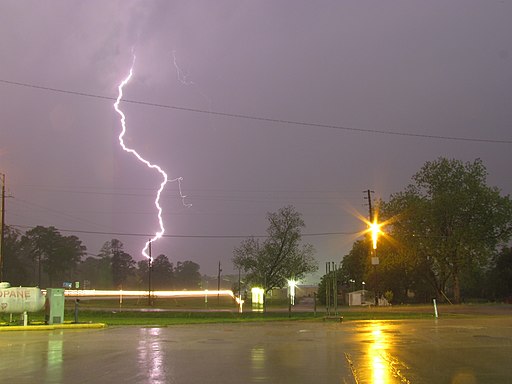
x: 375, y: 230
x: 257, y: 299
x: 291, y: 289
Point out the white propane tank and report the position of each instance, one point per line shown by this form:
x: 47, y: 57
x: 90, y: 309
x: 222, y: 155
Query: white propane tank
x: 20, y: 299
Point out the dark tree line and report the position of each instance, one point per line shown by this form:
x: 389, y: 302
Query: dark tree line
x: 41, y: 256
x: 44, y: 257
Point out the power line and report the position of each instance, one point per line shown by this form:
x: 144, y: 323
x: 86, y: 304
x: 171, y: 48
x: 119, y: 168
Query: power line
x: 193, y: 192
x: 259, y: 118
x: 145, y: 235
x: 55, y: 212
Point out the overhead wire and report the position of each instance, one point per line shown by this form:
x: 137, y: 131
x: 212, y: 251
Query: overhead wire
x: 187, y: 236
x: 259, y: 118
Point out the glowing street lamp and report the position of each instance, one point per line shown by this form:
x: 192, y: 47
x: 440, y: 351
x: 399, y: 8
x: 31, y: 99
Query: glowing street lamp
x: 375, y: 230
x: 291, y: 289
x: 257, y: 299
x: 352, y: 284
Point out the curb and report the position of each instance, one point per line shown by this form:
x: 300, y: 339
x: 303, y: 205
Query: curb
x: 51, y: 327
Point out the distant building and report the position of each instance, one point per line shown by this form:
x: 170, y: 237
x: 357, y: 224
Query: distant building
x: 364, y: 297
x: 300, y: 291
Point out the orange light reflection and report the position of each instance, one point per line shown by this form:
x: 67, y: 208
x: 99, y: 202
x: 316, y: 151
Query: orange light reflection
x: 377, y: 352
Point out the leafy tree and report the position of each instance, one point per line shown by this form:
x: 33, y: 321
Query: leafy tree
x: 142, y: 273
x: 473, y: 283
x: 122, y: 264
x: 281, y: 256
x: 16, y: 265
x: 54, y: 254
x: 500, y: 275
x: 162, y: 272
x: 187, y: 275
x: 98, y: 271
x: 39, y: 242
x: 448, y: 222
x: 69, y: 254
x: 354, y: 266
x: 398, y: 275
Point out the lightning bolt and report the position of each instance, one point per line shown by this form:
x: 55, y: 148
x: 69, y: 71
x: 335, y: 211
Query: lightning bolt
x: 165, y: 178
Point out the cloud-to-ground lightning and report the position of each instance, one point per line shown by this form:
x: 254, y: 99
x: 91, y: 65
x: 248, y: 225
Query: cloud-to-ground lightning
x: 165, y: 178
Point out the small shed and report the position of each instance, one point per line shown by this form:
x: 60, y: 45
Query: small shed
x: 362, y: 297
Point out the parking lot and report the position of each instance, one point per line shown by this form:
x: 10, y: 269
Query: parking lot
x: 472, y: 350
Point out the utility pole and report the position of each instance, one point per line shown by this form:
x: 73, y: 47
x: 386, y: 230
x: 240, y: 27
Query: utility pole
x: 369, y: 197
x: 239, y: 284
x: 331, y: 288
x: 218, y: 284
x: 373, y: 250
x: 150, y: 266
x: 2, y: 231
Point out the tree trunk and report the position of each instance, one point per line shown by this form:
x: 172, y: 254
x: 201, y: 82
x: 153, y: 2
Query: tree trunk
x: 456, y: 287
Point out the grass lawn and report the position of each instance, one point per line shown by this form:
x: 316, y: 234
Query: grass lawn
x: 164, y: 312
x: 164, y: 318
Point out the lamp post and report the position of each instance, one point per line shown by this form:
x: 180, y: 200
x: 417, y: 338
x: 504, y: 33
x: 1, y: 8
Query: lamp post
x: 375, y: 230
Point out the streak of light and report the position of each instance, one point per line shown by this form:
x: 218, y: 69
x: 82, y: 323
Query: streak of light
x: 161, y: 294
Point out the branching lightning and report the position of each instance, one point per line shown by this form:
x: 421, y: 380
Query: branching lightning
x: 182, y: 76
x: 165, y: 178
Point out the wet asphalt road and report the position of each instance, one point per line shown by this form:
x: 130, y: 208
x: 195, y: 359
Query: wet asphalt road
x: 412, y: 351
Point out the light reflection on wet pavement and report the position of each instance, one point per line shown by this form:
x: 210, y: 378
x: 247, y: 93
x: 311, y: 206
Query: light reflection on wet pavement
x: 414, y: 351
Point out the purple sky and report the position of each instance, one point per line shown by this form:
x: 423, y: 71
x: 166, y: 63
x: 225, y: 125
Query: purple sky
x: 390, y: 69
